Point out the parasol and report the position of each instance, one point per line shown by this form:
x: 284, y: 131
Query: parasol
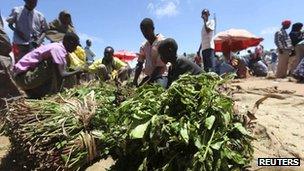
x: 125, y: 55
x: 235, y: 40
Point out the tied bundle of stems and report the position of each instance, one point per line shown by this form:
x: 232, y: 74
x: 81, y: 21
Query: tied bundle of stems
x: 55, y: 132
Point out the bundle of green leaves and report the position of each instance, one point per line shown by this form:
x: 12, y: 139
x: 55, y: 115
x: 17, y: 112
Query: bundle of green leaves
x: 57, y: 130
x: 190, y: 126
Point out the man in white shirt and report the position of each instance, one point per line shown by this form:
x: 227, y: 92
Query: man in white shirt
x: 206, y: 49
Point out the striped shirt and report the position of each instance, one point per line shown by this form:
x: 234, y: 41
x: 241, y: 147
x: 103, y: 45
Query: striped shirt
x: 282, y: 40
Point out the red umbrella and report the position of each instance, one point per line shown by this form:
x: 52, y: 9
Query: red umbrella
x: 235, y: 40
x: 125, y: 55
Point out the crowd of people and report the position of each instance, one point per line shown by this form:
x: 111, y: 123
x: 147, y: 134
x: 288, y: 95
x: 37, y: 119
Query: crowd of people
x: 40, y: 69
x: 291, y: 50
x: 286, y: 60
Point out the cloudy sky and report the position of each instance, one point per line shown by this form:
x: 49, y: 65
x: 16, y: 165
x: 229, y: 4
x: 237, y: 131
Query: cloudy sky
x: 116, y: 22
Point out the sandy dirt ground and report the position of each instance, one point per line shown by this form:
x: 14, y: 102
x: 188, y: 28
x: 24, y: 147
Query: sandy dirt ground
x: 278, y: 126
x: 280, y: 121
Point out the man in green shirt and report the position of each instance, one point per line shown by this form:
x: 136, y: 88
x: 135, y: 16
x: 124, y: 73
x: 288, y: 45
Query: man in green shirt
x: 110, y: 66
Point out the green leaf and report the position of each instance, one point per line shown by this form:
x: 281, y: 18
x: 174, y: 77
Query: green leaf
x: 111, y: 98
x: 209, y: 122
x: 198, y: 143
x: 139, y: 131
x: 99, y: 134
x: 60, y: 145
x: 240, y: 128
x: 217, y: 145
x: 64, y: 158
x: 167, y: 167
x: 218, y: 165
x: 227, y: 118
x: 238, y: 158
x: 143, y: 166
x: 154, y: 120
x: 184, y: 134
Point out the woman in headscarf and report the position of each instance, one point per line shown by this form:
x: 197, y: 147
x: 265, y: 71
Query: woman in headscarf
x: 296, y: 34
x: 59, y: 27
x: 297, y: 39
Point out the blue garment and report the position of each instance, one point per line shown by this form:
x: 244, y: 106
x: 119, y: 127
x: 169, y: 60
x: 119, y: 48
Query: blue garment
x: 274, y: 57
x: 246, y: 60
x: 259, y: 69
x: 209, y: 60
x: 224, y: 68
x: 299, y: 71
x: 31, y: 23
x: 89, y: 54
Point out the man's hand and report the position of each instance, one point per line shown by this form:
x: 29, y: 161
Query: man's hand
x: 198, y: 53
x: 78, y: 70
x: 292, y: 53
x: 34, y: 44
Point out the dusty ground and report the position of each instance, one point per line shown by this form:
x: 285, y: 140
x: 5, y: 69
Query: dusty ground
x: 279, y: 124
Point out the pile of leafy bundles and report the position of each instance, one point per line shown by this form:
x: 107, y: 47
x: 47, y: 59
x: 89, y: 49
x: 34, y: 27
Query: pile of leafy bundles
x: 57, y: 133
x: 190, y: 126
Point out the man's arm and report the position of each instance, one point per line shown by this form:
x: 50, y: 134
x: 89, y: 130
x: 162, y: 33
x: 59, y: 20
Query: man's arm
x: 199, y: 50
x: 209, y: 26
x: 44, y: 29
x: 11, y: 26
x: 208, y: 30
x: 302, y: 35
x: 19, y: 33
x: 41, y: 38
x: 138, y: 70
x: 64, y: 73
x: 11, y: 20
